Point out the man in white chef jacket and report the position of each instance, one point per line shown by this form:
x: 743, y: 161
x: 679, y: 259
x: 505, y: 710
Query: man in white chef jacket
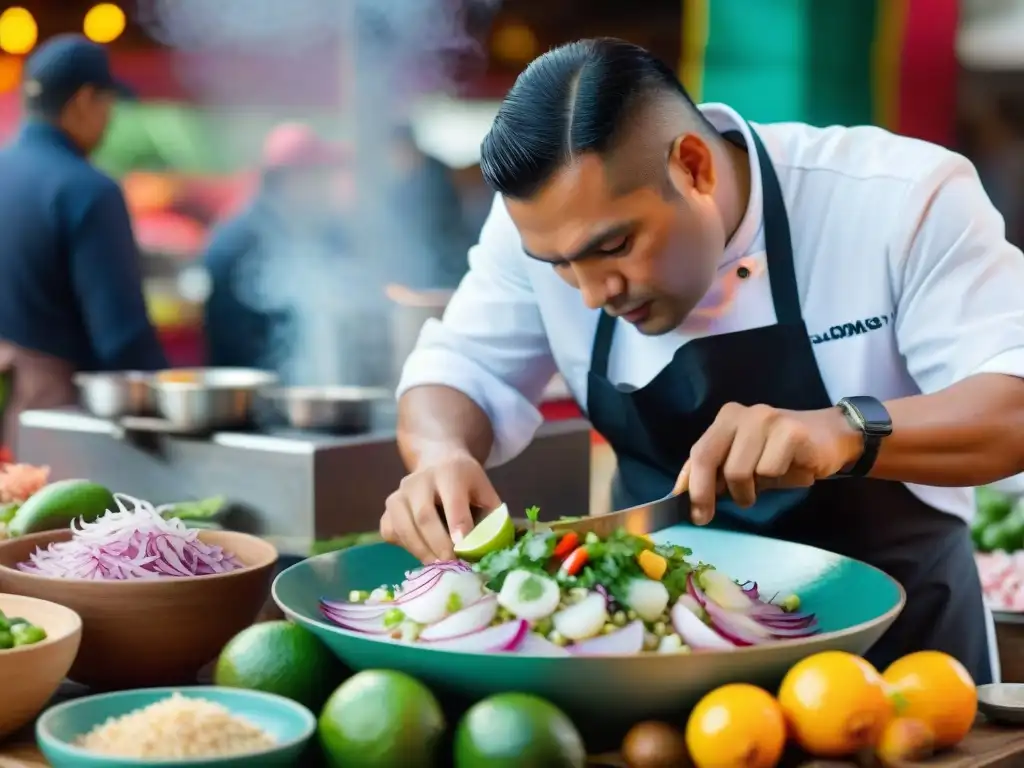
x: 742, y: 310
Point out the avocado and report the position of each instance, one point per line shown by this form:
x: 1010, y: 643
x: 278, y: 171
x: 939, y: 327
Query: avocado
x: 57, y: 504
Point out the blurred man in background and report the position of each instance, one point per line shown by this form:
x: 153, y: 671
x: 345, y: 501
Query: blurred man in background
x: 70, y: 277
x: 427, y: 202
x: 253, y: 259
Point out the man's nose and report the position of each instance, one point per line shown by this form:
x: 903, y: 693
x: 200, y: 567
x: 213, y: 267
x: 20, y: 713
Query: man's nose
x: 598, y: 287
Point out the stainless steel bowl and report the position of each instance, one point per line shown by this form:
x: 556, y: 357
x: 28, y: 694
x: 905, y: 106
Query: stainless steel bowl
x: 208, y: 398
x: 335, y: 409
x: 111, y: 395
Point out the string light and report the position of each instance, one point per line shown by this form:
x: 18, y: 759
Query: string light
x: 104, y: 23
x: 18, y: 31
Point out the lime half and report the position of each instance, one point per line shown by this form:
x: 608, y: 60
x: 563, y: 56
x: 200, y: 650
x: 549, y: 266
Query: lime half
x: 496, y: 531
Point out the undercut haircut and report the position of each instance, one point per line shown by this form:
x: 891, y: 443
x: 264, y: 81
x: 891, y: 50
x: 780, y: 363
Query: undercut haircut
x: 580, y: 97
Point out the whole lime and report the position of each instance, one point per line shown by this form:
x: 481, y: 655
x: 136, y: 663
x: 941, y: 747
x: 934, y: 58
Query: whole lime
x: 382, y: 719
x: 517, y: 730
x: 283, y: 658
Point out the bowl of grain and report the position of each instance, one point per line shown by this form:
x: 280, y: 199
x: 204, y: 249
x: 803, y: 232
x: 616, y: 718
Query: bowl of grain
x: 148, y: 631
x: 201, y: 727
x: 30, y: 674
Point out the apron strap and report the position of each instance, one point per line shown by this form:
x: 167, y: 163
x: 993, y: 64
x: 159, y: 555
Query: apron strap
x: 778, y: 244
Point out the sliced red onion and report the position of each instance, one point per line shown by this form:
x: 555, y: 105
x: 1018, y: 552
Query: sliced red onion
x: 468, y: 621
x: 496, y: 639
x: 737, y: 627
x: 694, y: 590
x: 538, y: 645
x: 373, y: 625
x: 371, y: 609
x: 750, y: 587
x: 695, y: 633
x: 796, y: 631
x: 130, y: 544
x: 628, y: 640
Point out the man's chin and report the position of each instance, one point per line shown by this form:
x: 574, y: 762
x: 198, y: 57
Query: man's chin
x: 656, y: 324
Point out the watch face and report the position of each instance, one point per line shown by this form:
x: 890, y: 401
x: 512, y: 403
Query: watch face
x: 873, y: 416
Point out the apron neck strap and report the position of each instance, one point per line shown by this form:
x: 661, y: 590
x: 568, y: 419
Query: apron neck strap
x: 781, y: 273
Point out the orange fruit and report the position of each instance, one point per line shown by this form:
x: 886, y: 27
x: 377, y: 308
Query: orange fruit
x: 736, y: 726
x: 835, y: 704
x: 904, y: 740
x: 933, y: 687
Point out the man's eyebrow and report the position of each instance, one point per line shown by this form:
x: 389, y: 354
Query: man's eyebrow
x: 591, y: 245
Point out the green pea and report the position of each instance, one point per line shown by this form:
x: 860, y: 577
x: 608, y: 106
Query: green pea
x: 619, y: 619
x: 557, y: 638
x: 790, y: 603
x: 6, y: 640
x: 544, y: 626
x: 27, y: 634
x: 393, y: 618
x: 358, y: 596
x: 660, y: 629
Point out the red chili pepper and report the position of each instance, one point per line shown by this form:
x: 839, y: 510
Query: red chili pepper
x: 568, y: 543
x: 574, y: 562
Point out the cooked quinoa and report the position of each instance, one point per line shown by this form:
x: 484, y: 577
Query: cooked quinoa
x: 176, y: 727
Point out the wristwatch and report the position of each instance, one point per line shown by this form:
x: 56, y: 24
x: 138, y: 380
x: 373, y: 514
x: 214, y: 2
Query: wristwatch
x: 868, y: 416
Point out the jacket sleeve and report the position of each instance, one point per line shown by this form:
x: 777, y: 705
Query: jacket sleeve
x: 107, y: 279
x: 491, y: 344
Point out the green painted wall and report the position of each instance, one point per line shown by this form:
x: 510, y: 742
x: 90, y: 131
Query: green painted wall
x: 805, y: 60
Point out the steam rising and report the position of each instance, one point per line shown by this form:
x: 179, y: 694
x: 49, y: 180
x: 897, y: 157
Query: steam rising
x: 382, y: 53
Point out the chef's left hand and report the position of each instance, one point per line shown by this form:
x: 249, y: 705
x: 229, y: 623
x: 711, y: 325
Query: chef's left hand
x: 751, y: 448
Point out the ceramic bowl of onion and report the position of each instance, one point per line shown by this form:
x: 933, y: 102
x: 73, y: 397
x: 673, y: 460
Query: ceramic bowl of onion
x: 158, y: 600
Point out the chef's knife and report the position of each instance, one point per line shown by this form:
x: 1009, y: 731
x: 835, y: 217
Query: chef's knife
x: 639, y: 520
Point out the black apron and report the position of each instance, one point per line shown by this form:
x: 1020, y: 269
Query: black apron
x: 652, y: 429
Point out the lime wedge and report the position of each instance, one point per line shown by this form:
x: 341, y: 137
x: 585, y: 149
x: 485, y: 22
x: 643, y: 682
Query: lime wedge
x: 494, y: 532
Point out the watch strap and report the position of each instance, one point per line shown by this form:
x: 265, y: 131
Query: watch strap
x: 868, y: 416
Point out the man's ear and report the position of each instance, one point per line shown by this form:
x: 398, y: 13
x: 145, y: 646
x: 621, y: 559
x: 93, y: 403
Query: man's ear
x: 691, y: 167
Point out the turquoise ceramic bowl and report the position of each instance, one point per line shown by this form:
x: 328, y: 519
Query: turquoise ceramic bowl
x: 291, y: 724
x: 855, y: 604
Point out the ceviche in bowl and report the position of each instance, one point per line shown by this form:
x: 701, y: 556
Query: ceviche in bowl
x: 559, y: 594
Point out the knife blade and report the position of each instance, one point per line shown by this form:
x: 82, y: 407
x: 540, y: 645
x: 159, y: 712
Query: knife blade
x: 639, y: 520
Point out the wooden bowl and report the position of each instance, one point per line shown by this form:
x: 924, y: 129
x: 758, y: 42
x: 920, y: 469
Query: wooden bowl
x: 30, y: 675
x: 149, y: 632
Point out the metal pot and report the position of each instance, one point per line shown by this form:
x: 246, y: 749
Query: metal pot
x: 334, y: 409
x: 209, y: 398
x: 113, y: 394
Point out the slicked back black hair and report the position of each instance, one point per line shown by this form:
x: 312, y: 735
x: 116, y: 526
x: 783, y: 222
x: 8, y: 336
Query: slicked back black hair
x: 574, y: 99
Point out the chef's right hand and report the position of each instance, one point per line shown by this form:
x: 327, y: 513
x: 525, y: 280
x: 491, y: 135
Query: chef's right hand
x: 412, y: 519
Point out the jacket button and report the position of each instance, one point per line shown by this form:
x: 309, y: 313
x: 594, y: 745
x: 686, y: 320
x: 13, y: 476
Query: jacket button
x: 743, y: 273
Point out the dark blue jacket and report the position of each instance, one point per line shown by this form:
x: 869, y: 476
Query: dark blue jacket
x: 70, y: 277
x: 236, y: 334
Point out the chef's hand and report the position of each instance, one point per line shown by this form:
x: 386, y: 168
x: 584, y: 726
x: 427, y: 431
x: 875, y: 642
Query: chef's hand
x: 749, y: 449
x: 411, y: 515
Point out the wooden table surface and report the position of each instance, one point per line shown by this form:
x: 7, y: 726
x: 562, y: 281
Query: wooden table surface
x: 987, y: 746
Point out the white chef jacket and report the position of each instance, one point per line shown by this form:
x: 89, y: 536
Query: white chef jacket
x: 906, y: 281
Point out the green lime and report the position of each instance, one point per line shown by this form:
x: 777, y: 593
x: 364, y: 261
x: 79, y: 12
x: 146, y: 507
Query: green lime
x: 283, y: 658
x: 517, y: 730
x: 494, y: 532
x: 382, y: 719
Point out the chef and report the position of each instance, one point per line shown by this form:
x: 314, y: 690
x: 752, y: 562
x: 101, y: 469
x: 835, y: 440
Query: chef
x: 818, y: 333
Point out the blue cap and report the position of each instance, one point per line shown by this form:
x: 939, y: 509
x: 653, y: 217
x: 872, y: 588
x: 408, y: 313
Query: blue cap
x: 61, y: 66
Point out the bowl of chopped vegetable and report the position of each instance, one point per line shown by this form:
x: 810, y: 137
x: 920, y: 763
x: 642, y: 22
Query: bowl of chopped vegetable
x: 38, y: 643
x: 613, y: 630
x: 158, y: 599
x: 202, y: 727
